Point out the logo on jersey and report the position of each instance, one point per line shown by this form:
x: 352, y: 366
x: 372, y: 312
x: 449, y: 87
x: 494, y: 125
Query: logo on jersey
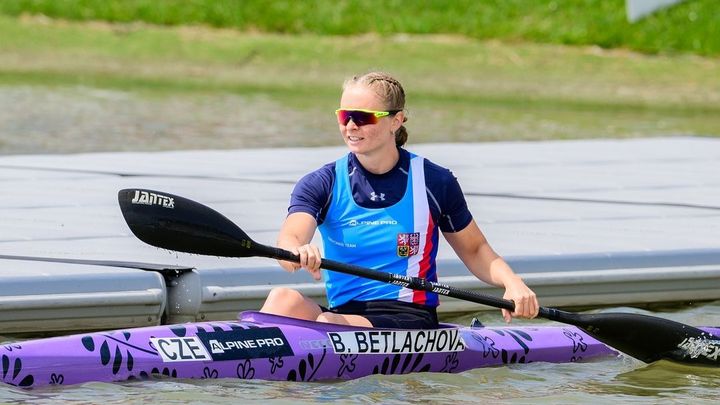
x: 377, y: 197
x: 355, y: 222
x: 408, y: 244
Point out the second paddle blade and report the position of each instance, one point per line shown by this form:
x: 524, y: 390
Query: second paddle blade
x: 647, y: 338
x: 176, y: 223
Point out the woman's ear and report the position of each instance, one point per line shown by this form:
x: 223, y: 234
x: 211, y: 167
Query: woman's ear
x: 398, y: 120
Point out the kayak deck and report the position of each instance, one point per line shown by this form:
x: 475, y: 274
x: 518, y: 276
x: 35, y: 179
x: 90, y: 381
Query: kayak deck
x: 269, y: 347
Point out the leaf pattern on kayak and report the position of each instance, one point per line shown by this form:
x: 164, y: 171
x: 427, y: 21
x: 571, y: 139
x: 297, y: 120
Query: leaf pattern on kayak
x: 155, y: 372
x: 519, y: 336
x: 245, y: 370
x: 105, y: 353
x: 209, y: 373
x: 307, y: 368
x: 165, y: 372
x: 275, y: 363
x: 579, y: 344
x: 186, y: 330
x: 88, y: 343
x: 179, y: 330
x: 389, y: 366
x: 347, y: 364
x: 488, y: 345
x: 451, y: 363
x: 511, y: 359
x: 118, y: 360
x: 16, y: 369
x: 113, y: 350
x: 56, y: 379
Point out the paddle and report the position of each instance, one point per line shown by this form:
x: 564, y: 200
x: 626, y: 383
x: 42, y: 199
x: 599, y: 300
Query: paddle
x: 160, y: 268
x: 176, y: 223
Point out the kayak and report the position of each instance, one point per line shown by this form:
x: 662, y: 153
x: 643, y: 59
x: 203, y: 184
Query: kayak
x: 270, y: 347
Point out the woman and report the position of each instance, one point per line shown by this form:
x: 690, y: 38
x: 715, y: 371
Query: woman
x: 381, y: 207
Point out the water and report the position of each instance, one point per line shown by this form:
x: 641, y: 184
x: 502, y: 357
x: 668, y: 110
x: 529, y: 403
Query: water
x: 620, y: 380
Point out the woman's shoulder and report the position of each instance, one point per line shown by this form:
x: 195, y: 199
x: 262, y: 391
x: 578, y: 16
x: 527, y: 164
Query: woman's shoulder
x: 321, y: 177
x: 435, y: 172
x: 441, y: 181
x: 312, y: 192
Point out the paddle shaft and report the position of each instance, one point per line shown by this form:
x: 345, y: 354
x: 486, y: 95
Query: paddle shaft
x: 413, y: 283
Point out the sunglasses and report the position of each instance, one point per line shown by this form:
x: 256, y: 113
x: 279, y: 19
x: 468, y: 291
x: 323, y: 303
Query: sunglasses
x: 361, y: 117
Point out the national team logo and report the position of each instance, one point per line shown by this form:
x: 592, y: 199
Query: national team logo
x: 408, y: 244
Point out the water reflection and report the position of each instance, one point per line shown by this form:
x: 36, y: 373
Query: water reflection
x: 664, y: 377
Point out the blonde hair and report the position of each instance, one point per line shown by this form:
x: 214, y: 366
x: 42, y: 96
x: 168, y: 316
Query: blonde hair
x: 390, y: 92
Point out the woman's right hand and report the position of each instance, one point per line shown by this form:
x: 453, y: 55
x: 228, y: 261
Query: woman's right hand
x: 295, y: 235
x: 310, y: 259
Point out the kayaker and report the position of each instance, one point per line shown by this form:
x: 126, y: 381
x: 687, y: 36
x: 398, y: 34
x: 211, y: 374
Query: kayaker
x: 381, y: 207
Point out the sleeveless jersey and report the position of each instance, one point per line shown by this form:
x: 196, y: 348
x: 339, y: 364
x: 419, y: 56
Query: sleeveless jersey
x: 401, y: 239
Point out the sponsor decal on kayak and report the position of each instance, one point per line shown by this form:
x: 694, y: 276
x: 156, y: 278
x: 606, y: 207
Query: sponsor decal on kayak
x: 694, y: 347
x: 224, y: 345
x: 397, y: 341
x: 148, y: 198
x: 314, y: 344
x: 246, y: 343
x: 180, y: 349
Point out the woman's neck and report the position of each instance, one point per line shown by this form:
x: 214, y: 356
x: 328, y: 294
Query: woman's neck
x: 379, y: 163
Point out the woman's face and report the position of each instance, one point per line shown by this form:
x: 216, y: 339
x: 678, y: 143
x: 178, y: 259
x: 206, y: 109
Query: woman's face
x: 371, y: 138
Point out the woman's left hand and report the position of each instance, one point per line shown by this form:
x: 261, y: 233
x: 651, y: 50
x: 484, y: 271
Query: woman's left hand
x: 526, y: 303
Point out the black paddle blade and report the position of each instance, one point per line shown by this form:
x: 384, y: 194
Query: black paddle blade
x: 171, y: 222
x: 647, y: 338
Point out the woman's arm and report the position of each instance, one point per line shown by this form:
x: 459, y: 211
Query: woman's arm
x: 295, y: 235
x: 475, y: 252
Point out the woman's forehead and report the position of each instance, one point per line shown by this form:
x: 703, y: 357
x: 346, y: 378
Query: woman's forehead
x: 360, y: 96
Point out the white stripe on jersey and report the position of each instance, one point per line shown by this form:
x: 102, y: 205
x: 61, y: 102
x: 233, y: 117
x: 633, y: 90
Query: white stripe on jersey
x: 421, y: 213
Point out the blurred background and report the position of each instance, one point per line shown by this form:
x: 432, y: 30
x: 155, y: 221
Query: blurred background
x: 113, y: 75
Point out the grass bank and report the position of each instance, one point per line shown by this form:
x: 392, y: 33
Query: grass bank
x: 693, y: 26
x: 459, y: 89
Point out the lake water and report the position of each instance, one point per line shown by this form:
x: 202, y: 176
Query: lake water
x: 610, y: 380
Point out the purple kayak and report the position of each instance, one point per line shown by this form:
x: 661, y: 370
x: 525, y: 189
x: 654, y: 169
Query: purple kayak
x: 268, y: 347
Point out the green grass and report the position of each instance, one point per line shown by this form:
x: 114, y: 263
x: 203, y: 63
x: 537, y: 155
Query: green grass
x: 459, y: 89
x: 693, y: 26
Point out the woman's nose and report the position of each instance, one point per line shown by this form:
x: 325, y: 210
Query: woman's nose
x: 351, y: 125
